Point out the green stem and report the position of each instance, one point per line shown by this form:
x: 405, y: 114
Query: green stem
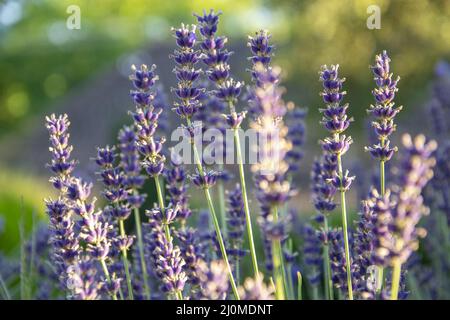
x: 221, y: 194
x: 212, y: 212
x: 162, y: 207
x: 276, y: 248
x: 279, y: 272
x: 299, y: 286
x: 344, y: 227
x: 179, y: 295
x: 137, y: 219
x: 327, y: 266
x: 106, y: 272
x: 125, y: 262
x: 396, y: 278
x: 380, y: 271
x: 246, y: 207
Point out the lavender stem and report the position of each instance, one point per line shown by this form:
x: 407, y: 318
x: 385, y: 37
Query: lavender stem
x: 125, y: 261
x: 214, y: 219
x: 344, y: 226
x: 245, y: 200
x: 137, y: 220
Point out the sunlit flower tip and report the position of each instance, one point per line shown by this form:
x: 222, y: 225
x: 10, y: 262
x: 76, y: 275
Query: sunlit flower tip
x: 208, y: 22
x: 143, y: 78
x: 256, y: 289
x: 344, y: 183
x: 234, y: 119
x: 205, y: 180
x: 337, y: 147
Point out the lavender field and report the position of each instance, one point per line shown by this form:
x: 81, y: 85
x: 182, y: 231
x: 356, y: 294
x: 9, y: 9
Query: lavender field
x: 211, y: 167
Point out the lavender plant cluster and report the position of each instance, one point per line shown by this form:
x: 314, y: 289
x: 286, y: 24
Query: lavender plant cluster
x: 142, y: 244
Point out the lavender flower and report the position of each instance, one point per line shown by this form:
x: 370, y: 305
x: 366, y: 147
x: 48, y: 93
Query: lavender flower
x: 146, y: 120
x: 236, y: 224
x: 82, y: 280
x: 192, y: 252
x: 215, y: 57
x: 384, y: 109
x: 255, y: 289
x: 397, y: 215
x: 338, y: 260
x: 66, y: 248
x: 213, y: 280
x: 186, y: 57
x: 93, y: 228
x: 262, y: 52
x: 363, y: 247
x: 166, y: 258
x: 312, y: 254
x: 295, y: 120
x: 129, y: 163
x: 177, y: 188
x: 336, y: 121
x: 205, y: 180
x: 61, y: 164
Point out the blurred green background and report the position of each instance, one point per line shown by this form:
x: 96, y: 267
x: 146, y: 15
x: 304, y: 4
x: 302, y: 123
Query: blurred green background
x: 45, y: 67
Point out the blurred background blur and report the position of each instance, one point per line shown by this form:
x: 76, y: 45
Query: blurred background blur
x: 46, y: 67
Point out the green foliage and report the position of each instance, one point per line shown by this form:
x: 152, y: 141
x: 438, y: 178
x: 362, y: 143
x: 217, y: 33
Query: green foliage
x: 19, y: 194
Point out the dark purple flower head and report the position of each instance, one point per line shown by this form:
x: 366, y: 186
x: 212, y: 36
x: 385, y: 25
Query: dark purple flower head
x: 260, y: 47
x: 143, y: 78
x: 208, y: 22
